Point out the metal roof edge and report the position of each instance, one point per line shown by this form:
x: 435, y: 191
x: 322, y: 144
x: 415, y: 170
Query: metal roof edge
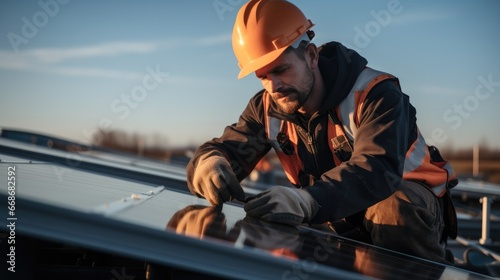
x: 163, y: 247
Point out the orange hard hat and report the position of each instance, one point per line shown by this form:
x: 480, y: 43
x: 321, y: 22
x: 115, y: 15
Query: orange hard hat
x: 263, y: 30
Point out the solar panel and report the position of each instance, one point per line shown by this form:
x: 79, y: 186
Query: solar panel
x: 163, y: 224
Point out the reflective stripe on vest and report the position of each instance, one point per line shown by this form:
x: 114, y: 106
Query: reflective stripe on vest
x: 292, y: 165
x: 418, y: 165
x: 349, y: 110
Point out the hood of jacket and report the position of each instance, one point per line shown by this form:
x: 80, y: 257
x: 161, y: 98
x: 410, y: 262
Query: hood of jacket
x: 339, y: 67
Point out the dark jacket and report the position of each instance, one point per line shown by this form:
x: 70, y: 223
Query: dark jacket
x: 386, y: 129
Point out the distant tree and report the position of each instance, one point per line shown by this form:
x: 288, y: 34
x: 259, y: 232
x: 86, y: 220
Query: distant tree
x: 148, y: 146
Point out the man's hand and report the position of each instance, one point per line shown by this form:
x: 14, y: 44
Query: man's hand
x: 283, y: 205
x: 214, y: 179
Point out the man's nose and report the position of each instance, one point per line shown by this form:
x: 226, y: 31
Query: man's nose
x: 274, y: 83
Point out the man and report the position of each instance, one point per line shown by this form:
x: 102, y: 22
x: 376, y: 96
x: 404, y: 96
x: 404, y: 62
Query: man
x: 345, y: 134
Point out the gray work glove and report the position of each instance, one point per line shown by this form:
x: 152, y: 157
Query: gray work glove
x: 214, y: 179
x: 284, y: 205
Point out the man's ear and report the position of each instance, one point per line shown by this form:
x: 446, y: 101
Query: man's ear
x: 312, y: 54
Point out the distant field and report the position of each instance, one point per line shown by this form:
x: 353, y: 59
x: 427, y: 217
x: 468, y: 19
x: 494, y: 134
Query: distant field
x: 490, y: 169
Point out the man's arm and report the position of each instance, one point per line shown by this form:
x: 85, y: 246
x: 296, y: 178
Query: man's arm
x: 241, y: 145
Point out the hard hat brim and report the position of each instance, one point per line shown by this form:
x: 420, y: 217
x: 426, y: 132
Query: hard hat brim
x: 260, y: 62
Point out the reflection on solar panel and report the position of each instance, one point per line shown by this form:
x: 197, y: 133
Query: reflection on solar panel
x: 146, y: 219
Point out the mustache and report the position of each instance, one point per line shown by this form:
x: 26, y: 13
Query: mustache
x: 286, y: 91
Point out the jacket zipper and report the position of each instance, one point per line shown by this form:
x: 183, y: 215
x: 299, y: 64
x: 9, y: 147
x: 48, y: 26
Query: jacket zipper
x: 312, y: 146
x: 311, y: 142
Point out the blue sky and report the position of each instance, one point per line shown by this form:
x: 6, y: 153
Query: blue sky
x: 166, y: 69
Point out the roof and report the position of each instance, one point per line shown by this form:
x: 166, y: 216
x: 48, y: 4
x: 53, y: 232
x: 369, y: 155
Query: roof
x: 146, y: 212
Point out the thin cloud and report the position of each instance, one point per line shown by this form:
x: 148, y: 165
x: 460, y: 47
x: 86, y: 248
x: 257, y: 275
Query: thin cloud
x: 416, y: 17
x: 56, y: 55
x: 189, y: 80
x: 10, y: 60
x: 96, y: 72
x: 48, y: 59
x: 183, y: 42
x: 215, y: 40
x: 439, y: 90
x: 109, y: 49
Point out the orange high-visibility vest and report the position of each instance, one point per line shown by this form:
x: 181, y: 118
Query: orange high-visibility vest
x: 418, y: 163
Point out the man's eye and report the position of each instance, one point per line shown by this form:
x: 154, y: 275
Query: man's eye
x: 280, y: 70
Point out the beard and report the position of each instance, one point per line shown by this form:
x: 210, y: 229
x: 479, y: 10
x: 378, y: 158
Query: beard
x: 290, y: 100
